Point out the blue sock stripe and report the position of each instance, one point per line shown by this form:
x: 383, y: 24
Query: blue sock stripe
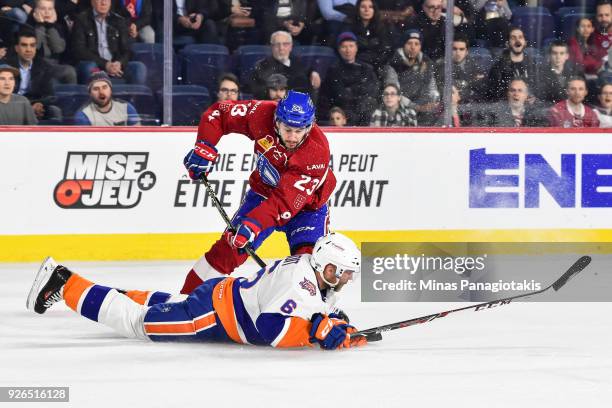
x: 93, y: 301
x: 158, y: 297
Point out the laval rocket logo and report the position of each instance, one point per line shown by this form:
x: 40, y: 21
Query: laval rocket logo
x: 104, y: 180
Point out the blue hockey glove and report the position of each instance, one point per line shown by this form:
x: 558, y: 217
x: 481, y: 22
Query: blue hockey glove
x: 267, y: 172
x: 200, y: 160
x: 246, y: 232
x: 330, y: 333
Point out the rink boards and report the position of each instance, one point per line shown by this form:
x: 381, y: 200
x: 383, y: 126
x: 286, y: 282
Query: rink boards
x: 94, y: 194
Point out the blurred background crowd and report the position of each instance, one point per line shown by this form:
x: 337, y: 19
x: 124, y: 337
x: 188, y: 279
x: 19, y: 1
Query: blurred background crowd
x: 513, y: 63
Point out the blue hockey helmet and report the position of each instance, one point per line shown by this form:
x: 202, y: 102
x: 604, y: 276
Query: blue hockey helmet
x: 296, y: 110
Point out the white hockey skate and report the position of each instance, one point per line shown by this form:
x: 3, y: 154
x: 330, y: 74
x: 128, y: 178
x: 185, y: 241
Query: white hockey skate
x: 48, y: 286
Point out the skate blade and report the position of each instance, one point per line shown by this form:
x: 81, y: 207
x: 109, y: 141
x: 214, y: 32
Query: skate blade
x: 42, y: 277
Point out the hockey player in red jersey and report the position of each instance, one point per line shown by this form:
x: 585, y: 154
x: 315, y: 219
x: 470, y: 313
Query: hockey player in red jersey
x: 282, y: 305
x: 289, y: 187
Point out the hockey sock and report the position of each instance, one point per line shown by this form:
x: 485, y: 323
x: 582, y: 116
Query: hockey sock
x: 84, y: 297
x: 147, y: 298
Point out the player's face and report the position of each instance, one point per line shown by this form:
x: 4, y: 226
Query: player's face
x: 26, y: 48
x: 276, y: 94
x: 7, y: 83
x: 460, y: 51
x: 605, y: 97
x: 558, y: 56
x: 366, y: 10
x: 291, y: 136
x: 576, y: 92
x: 585, y: 28
x: 228, y: 91
x: 338, y: 282
x: 412, y: 48
x: 348, y: 51
x: 517, y: 92
x: 101, y: 93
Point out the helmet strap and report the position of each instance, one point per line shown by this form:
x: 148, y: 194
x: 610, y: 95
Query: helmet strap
x: 322, y: 274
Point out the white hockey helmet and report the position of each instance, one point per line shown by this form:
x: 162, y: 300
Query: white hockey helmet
x: 338, y: 250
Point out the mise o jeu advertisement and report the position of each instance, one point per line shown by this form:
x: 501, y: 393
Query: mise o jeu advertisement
x: 135, y: 182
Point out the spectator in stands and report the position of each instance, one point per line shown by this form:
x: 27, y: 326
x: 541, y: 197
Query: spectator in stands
x: 277, y: 87
x: 287, y: 15
x: 513, y: 63
x: 299, y: 77
x: 604, y: 110
x: 101, y: 39
x: 572, y: 112
x: 52, y: 39
x: 603, y: 17
x: 337, y: 117
x: 414, y: 72
x: 430, y: 22
x: 460, y: 114
x: 553, y: 77
x: 103, y: 110
x: 463, y: 16
x: 3, y: 49
x: 493, y: 21
x: 515, y: 111
x: 229, y: 88
x: 393, y: 113
x: 240, y: 28
x: 373, y: 37
x: 468, y: 75
x: 582, y: 48
x: 335, y: 20
x: 350, y: 83
x: 14, y: 109
x: 196, y: 18
x: 139, y: 15
x: 35, y: 77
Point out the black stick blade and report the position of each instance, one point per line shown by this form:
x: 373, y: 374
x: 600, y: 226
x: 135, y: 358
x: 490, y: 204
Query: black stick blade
x: 375, y: 336
x: 578, y: 266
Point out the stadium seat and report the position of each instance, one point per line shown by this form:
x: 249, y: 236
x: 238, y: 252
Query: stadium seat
x: 319, y: 58
x: 69, y: 98
x: 585, y: 5
x: 141, y: 97
x: 188, y: 103
x: 246, y: 58
x: 152, y: 55
x: 483, y: 57
x: 552, y: 5
x: 203, y: 63
x: 536, y: 22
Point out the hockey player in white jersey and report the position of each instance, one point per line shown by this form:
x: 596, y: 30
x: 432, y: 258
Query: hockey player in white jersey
x: 282, y: 305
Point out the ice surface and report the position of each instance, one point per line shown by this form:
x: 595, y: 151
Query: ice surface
x: 521, y: 355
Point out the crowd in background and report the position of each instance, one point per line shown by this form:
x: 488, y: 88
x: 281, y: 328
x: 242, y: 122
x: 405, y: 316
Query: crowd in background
x: 388, y: 70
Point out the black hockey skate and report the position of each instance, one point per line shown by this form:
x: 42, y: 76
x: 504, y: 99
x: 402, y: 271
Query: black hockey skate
x: 48, y: 286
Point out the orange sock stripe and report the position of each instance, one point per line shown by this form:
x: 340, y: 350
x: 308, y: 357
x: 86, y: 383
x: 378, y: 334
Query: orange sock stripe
x: 138, y: 296
x: 298, y: 334
x: 223, y: 302
x: 205, y: 322
x: 74, y: 289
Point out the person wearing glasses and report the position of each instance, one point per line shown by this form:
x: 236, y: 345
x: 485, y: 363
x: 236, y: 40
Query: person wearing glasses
x: 229, y: 88
x: 430, y: 22
x: 392, y: 112
x: 299, y: 76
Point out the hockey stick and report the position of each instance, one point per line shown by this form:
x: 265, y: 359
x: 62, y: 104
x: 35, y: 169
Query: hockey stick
x: 213, y: 196
x: 375, y: 333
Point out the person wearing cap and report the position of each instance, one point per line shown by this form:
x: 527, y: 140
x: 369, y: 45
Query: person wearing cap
x: 14, y: 109
x: 430, y: 22
x: 350, y: 83
x: 277, y: 87
x: 299, y: 76
x: 103, y: 110
x: 413, y: 71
